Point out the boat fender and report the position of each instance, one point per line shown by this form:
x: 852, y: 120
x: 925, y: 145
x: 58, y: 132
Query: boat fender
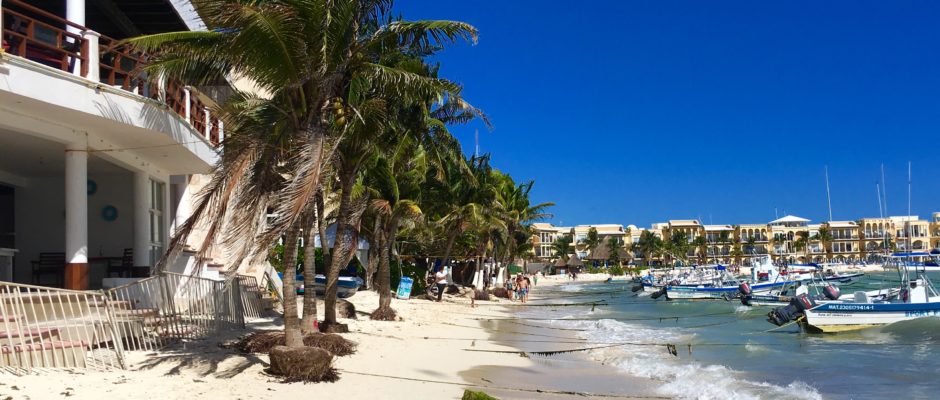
x: 831, y: 292
x: 657, y: 294
x: 744, y: 288
x: 636, y: 288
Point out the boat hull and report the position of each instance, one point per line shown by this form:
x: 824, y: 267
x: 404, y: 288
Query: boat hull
x: 841, y: 317
x: 705, y: 293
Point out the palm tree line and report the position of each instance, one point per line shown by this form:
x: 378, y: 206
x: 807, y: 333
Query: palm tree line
x: 347, y: 123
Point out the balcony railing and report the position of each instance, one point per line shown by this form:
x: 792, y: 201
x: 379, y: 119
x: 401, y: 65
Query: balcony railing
x: 45, y: 38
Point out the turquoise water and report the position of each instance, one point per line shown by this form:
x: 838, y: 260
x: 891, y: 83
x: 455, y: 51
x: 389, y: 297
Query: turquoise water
x: 733, y: 356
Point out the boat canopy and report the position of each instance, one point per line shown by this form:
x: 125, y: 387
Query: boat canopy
x: 911, y: 254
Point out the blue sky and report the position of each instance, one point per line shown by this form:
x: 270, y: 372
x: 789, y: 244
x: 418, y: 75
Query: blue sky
x: 636, y: 112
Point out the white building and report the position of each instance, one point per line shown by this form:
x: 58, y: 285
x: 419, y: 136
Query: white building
x: 96, y: 162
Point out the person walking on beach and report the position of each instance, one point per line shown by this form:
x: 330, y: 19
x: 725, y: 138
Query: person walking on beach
x: 440, y: 279
x: 527, y: 285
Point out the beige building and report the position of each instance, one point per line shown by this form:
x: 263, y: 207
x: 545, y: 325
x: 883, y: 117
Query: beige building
x: 544, y: 234
x: 790, y: 239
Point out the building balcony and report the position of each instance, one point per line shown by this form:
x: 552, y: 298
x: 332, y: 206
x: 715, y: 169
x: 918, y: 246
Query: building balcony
x: 52, y: 60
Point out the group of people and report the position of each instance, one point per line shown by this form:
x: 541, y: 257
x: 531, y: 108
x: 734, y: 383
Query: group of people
x: 520, y: 286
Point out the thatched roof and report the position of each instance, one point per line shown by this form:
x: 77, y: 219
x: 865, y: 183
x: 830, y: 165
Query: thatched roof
x: 602, y: 253
x: 560, y: 262
x: 574, y: 261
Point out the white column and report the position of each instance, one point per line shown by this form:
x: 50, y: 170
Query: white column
x: 76, y: 216
x: 184, y: 204
x: 208, y: 125
x: 141, y: 219
x: 75, y: 13
x: 76, y: 204
x: 187, y: 102
x: 221, y: 131
x: 94, y: 66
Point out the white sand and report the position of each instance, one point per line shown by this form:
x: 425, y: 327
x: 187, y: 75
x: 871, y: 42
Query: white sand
x: 393, y: 349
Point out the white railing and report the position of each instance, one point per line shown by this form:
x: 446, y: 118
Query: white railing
x: 56, y: 328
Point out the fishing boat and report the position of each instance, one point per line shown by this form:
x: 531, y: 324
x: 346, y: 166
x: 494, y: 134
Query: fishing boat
x: 818, y: 290
x: 683, y: 276
x: 347, y: 286
x: 916, y: 261
x: 916, y: 298
x: 764, y: 278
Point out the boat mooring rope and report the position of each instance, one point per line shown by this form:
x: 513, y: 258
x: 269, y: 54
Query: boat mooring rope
x: 515, y: 389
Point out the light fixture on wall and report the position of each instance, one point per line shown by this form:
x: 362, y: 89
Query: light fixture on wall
x: 109, y: 213
x: 92, y: 187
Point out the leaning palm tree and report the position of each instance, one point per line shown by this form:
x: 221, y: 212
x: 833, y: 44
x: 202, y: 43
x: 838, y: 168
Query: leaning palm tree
x: 306, y: 58
x: 395, y: 180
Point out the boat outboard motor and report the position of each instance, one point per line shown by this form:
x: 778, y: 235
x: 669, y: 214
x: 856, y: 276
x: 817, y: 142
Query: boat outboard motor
x: 745, y: 289
x: 831, y: 292
x: 782, y: 315
x: 636, y: 288
x: 657, y: 294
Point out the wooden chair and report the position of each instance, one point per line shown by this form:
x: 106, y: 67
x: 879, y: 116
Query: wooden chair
x: 49, y: 264
x: 122, y: 269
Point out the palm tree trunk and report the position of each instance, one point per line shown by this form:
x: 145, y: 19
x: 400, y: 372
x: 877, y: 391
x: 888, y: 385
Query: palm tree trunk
x: 375, y: 253
x: 292, y: 334
x: 343, y: 244
x: 451, y: 238
x: 310, y: 265
x: 321, y: 226
x: 383, y: 280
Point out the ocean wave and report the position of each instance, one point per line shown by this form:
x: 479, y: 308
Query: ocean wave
x: 680, y: 378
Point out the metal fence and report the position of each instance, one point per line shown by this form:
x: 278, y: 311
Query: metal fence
x: 50, y: 328
x: 55, y: 328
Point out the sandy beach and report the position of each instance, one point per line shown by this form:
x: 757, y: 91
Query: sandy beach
x: 425, y: 355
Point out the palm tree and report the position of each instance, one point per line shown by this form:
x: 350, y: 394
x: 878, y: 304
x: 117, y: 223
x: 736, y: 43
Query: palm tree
x: 649, y: 245
x: 395, y: 180
x: 613, y: 250
x: 561, y: 247
x: 825, y: 238
x: 701, y: 245
x: 592, y: 240
x: 312, y: 60
x: 518, y: 211
x: 678, y: 245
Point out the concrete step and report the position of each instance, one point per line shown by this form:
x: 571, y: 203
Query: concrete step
x: 138, y: 312
x: 31, y: 333
x: 50, y: 354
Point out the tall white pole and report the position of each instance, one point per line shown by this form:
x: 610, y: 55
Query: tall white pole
x: 884, y: 190
x: 909, y: 225
x: 828, y: 196
x: 141, y: 219
x: 76, y: 216
x: 75, y: 13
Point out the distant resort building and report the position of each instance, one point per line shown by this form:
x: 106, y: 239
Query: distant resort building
x: 790, y: 239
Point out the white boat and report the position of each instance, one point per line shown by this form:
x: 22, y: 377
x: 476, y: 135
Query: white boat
x: 765, y: 277
x: 916, y: 298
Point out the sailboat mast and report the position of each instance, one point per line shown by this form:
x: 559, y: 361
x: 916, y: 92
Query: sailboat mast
x: 884, y: 189
x: 828, y: 196
x: 909, y: 227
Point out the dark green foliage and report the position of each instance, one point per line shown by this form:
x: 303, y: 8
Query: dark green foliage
x: 471, y: 395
